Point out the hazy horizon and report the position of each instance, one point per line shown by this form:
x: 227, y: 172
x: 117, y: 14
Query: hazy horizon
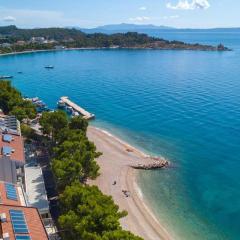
x: 149, y: 25
x: 203, y: 14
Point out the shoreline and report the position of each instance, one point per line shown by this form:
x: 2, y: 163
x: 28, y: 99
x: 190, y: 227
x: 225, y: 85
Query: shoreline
x: 115, y: 166
x: 109, y: 48
x: 49, y: 50
x: 124, y: 143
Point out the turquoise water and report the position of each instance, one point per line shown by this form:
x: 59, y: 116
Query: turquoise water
x: 180, y: 104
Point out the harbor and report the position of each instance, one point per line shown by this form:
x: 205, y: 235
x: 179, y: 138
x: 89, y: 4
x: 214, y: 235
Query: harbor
x: 74, y: 109
x: 40, y: 105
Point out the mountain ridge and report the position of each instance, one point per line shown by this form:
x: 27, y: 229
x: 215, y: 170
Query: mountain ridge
x: 125, y: 27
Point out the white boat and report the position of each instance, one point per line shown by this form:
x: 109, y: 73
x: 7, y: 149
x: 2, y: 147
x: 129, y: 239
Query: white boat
x: 75, y: 114
x: 61, y: 104
x: 69, y: 109
x: 35, y: 99
x: 49, y: 67
x: 6, y: 77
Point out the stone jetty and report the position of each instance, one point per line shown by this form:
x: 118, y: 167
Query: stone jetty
x: 158, y: 164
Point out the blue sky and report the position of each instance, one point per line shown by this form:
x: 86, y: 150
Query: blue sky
x: 92, y: 13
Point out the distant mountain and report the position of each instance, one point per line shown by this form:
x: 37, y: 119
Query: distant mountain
x: 131, y: 27
x: 148, y: 29
x: 123, y: 28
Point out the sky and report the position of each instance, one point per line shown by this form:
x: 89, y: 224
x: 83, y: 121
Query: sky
x: 93, y: 13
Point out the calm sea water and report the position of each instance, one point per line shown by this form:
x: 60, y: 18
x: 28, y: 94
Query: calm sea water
x: 180, y: 104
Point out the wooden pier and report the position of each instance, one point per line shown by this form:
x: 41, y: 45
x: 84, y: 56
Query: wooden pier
x: 86, y: 115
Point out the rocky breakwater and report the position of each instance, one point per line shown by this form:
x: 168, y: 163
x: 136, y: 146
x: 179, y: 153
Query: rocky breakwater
x: 156, y: 163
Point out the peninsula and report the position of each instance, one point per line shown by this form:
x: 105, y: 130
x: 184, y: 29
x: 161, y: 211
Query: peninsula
x: 14, y: 40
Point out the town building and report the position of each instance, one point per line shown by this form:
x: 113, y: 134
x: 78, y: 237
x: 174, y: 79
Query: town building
x: 11, y: 147
x: 9, y: 124
x: 20, y: 43
x: 24, y: 206
x: 35, y: 189
x: 59, y: 47
x: 39, y: 40
x: 5, y: 45
x: 18, y: 222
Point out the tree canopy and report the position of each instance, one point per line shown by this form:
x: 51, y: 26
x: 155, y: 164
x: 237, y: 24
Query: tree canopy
x: 11, y: 102
x: 78, y: 123
x: 86, y: 213
x: 53, y: 122
x: 73, y: 154
x: 90, y: 215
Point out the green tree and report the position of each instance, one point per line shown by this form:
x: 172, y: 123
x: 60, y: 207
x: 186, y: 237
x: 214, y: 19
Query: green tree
x: 29, y: 108
x: 11, y: 102
x: 27, y: 131
x: 78, y: 123
x: 89, y: 214
x: 19, y: 112
x: 75, y: 160
x: 9, y: 96
x: 53, y: 122
x: 67, y: 170
x: 120, y: 235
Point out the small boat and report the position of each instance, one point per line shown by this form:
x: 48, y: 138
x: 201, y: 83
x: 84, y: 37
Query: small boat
x: 61, y: 104
x: 40, y: 104
x: 75, y: 114
x: 35, y: 99
x: 49, y: 67
x: 6, y: 77
x: 69, y: 109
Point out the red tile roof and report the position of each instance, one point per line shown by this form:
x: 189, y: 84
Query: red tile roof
x: 17, y: 145
x: 33, y: 221
x: 4, y: 199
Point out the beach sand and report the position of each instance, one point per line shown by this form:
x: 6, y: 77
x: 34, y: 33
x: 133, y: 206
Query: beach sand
x: 115, y: 165
x: 54, y: 50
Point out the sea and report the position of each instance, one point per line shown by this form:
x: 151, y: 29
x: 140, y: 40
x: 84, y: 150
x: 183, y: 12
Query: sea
x: 182, y: 105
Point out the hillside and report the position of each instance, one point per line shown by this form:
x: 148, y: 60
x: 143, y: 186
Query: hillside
x: 123, y: 28
x: 13, y: 39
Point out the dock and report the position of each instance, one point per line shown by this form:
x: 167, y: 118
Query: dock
x: 86, y: 115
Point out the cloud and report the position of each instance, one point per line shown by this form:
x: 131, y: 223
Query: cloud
x: 189, y: 5
x: 143, y: 8
x: 171, y: 17
x: 139, y: 19
x: 9, y: 19
x: 39, y: 18
x: 30, y: 17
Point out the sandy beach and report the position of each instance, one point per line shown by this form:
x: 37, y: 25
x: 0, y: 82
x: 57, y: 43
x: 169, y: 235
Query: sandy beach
x: 115, y: 165
x: 55, y: 50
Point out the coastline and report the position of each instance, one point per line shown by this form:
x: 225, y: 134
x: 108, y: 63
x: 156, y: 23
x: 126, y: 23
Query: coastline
x: 112, y: 48
x: 115, y: 166
x: 49, y: 50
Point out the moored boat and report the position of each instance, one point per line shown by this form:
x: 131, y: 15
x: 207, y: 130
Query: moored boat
x: 75, y: 114
x: 69, y: 109
x: 61, y: 104
x: 6, y: 77
x: 49, y: 67
x: 40, y: 105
